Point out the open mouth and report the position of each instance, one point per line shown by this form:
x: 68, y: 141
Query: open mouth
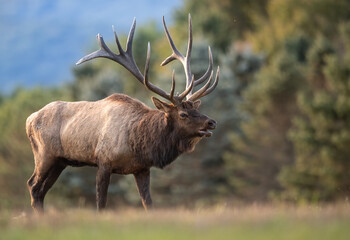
x: 205, y: 133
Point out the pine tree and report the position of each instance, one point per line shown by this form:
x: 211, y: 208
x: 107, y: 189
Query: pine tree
x: 321, y: 135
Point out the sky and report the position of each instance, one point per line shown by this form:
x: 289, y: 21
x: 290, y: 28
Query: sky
x: 42, y: 39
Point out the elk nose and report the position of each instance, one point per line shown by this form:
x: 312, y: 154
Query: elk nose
x: 211, y: 124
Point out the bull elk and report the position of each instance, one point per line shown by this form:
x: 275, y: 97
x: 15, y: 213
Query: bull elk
x: 120, y: 134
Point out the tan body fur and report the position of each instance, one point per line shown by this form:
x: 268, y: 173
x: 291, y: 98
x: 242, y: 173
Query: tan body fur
x: 87, y: 132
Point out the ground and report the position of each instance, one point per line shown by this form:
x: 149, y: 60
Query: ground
x: 222, y: 222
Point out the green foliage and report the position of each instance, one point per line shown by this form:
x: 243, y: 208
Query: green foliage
x: 288, y: 18
x: 321, y: 134
x: 291, y: 108
x: 260, y: 148
x: 221, y: 21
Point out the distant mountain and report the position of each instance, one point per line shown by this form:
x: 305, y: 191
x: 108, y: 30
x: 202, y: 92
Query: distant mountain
x: 41, y: 40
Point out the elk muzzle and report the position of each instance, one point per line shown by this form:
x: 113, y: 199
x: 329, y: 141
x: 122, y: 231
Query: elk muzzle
x: 210, y: 124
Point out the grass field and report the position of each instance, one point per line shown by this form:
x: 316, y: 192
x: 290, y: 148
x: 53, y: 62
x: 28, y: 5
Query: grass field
x: 249, y: 222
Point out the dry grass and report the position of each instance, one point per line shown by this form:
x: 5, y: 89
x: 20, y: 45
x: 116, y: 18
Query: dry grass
x: 248, y: 222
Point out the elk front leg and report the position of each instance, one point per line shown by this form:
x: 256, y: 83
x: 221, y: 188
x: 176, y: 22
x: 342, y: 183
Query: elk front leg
x: 143, y: 184
x: 102, y: 181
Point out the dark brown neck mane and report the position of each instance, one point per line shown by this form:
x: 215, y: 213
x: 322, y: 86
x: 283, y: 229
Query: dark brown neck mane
x: 155, y: 140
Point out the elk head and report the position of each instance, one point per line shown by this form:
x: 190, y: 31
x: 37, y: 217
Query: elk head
x: 183, y: 110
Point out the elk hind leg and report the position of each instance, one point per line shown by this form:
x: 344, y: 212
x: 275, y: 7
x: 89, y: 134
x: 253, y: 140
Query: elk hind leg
x: 40, y: 183
x: 35, y: 183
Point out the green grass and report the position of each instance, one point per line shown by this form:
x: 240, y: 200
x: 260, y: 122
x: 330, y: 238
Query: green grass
x: 252, y: 222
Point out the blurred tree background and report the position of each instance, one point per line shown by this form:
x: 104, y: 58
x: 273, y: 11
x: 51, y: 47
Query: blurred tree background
x: 282, y: 107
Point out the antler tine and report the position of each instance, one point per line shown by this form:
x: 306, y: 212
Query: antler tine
x: 185, y: 61
x: 196, y: 96
x: 172, y: 85
x: 188, y: 56
x: 104, y: 51
x: 214, y: 84
x: 187, y: 91
x: 120, y: 49
x: 198, y: 93
x: 124, y: 58
x: 176, y: 54
x: 154, y: 88
x: 189, y: 46
x: 207, y: 74
x: 148, y: 60
x: 131, y: 37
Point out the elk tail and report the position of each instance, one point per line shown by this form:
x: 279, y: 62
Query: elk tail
x: 30, y: 131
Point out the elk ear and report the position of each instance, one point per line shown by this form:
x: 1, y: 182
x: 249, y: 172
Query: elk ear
x: 196, y: 104
x: 163, y: 106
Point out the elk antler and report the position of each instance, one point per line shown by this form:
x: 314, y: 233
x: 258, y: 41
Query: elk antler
x: 174, y: 99
x: 126, y: 59
x: 185, y: 61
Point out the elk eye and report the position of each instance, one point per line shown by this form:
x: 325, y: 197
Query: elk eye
x: 183, y: 115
